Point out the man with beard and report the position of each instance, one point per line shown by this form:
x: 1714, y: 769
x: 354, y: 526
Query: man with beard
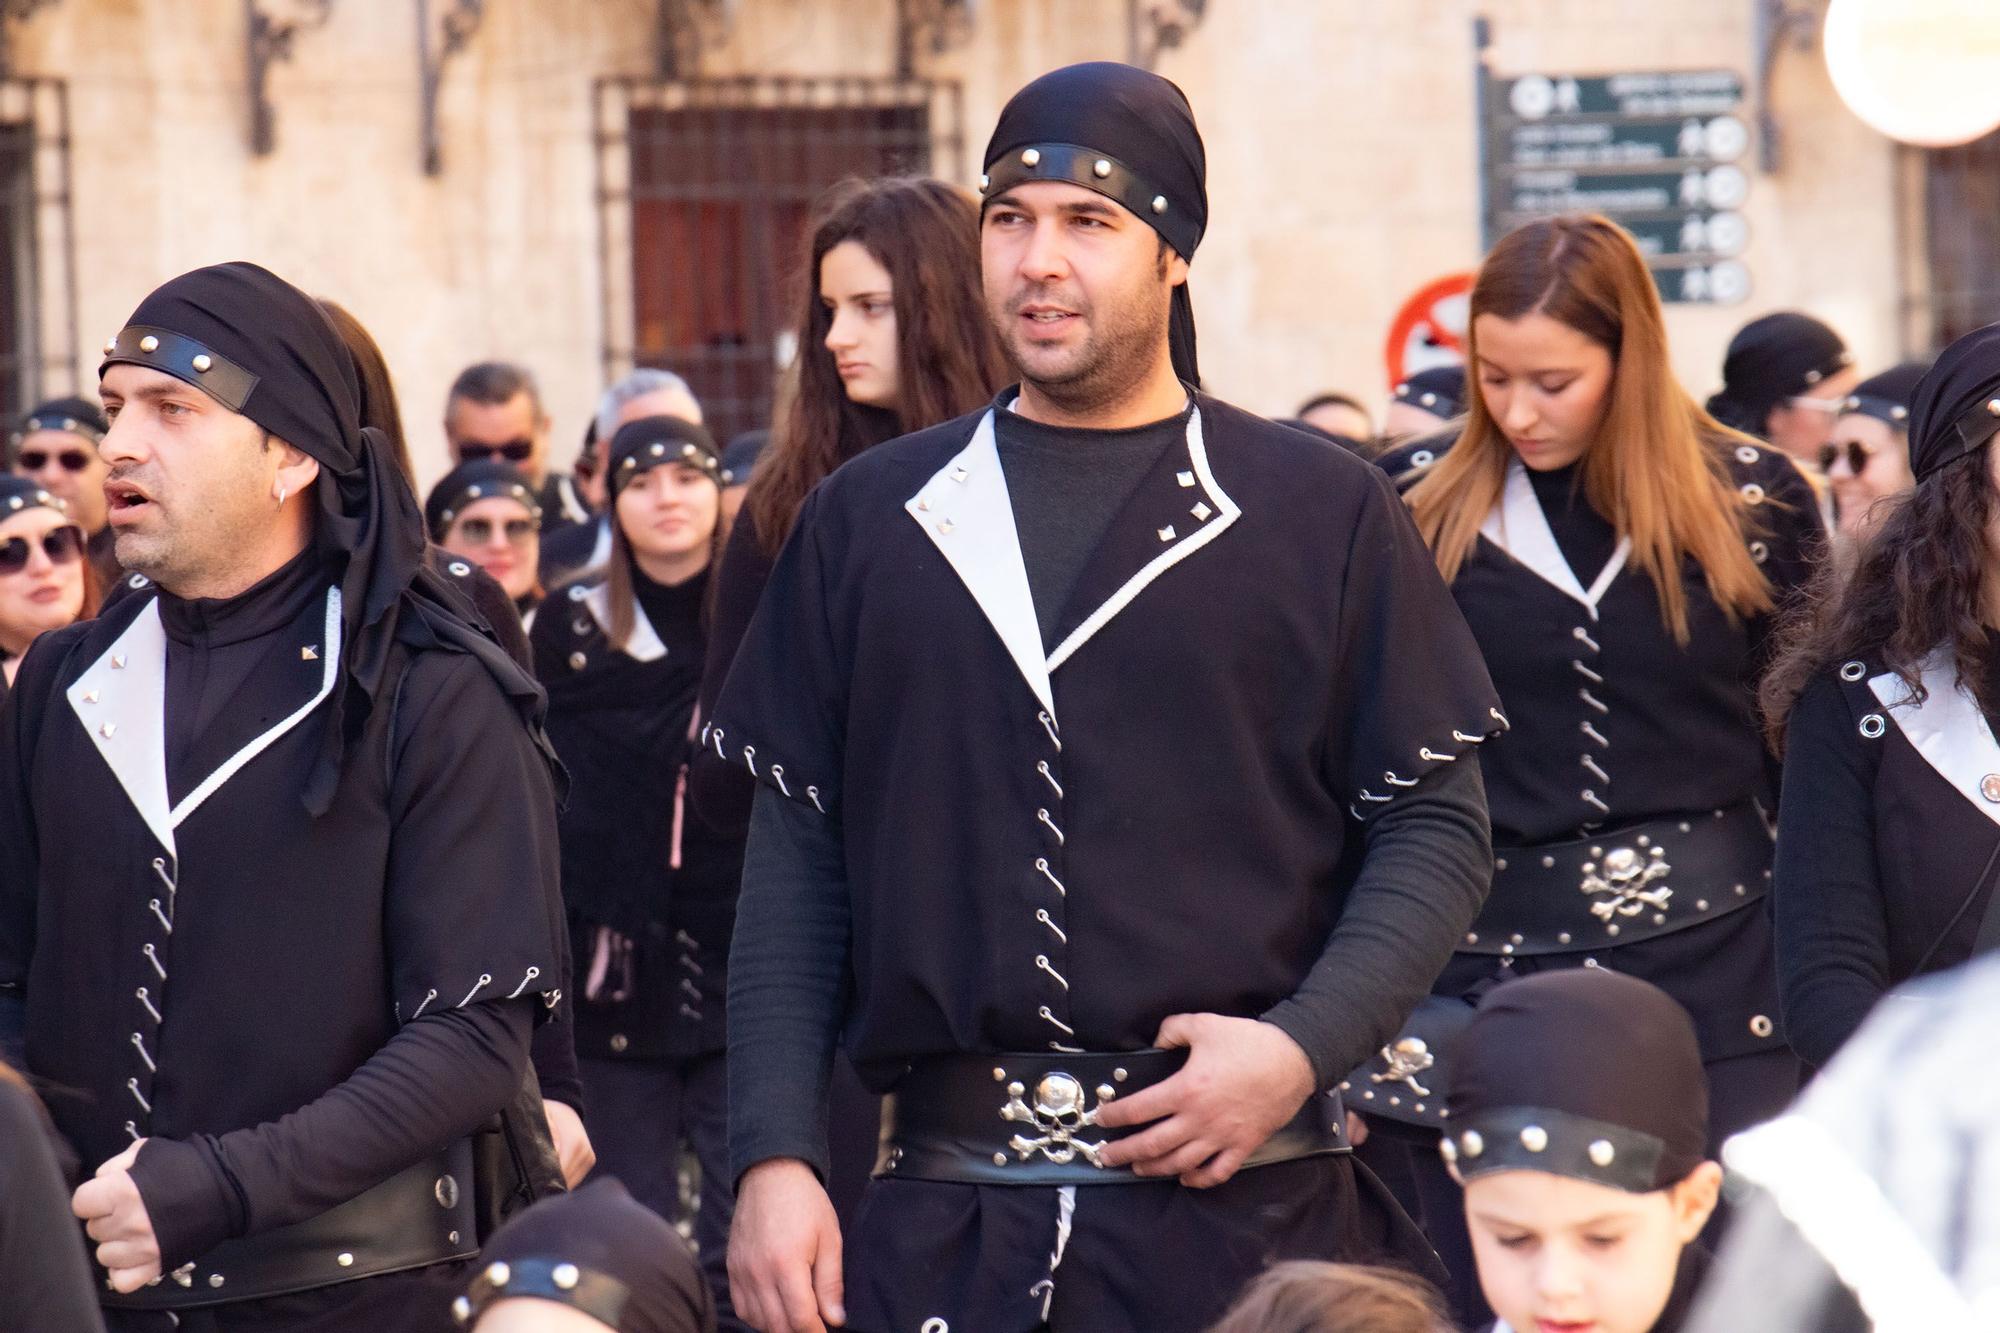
x: 1110, y: 802
x: 258, y: 926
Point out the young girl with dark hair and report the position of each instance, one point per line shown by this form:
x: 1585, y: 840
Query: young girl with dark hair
x: 893, y: 337
x: 651, y: 894
x: 1619, y: 555
x: 1886, y: 700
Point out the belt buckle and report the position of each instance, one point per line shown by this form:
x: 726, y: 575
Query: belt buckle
x: 1060, y: 1111
x: 1620, y: 883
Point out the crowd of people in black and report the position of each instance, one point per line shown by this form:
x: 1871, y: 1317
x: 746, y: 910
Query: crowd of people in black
x: 1018, y: 844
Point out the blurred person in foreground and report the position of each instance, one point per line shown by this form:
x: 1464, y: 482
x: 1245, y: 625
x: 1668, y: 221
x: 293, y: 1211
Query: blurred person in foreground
x: 1311, y: 1296
x: 1337, y: 414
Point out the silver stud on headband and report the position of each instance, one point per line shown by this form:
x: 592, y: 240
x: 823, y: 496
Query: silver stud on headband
x: 110, y: 346
x: 565, y: 1276
x: 1159, y: 203
x: 1031, y: 157
x: 1601, y: 1152
x: 657, y: 450
x: 1100, y: 168
x: 1898, y: 412
x: 498, y: 1273
x: 1993, y: 407
x: 1534, y: 1138
x: 985, y: 181
x: 1815, y: 376
x: 149, y: 344
x: 202, y: 362
x: 461, y: 1310
x: 1471, y: 1144
x: 687, y: 451
x: 475, y: 492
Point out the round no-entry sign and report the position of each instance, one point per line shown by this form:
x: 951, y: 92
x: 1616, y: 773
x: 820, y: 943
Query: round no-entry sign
x: 1429, y: 328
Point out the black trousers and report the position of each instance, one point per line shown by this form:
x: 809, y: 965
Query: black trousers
x: 641, y: 1115
x: 1145, y: 1257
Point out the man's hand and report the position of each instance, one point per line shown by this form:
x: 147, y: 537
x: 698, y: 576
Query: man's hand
x: 784, y: 1251
x: 573, y: 1148
x: 117, y: 1221
x: 1243, y: 1080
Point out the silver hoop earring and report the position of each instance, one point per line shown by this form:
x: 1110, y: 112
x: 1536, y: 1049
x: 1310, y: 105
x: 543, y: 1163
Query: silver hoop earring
x: 281, y: 495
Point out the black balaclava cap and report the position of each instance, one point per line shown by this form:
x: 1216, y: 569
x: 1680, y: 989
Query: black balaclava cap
x: 72, y: 416
x: 598, y: 1251
x: 1440, y: 390
x: 1770, y: 359
x: 1582, y: 1072
x: 264, y: 349
x: 479, y: 479
x: 650, y: 442
x: 1956, y: 408
x: 1886, y: 396
x: 1127, y: 134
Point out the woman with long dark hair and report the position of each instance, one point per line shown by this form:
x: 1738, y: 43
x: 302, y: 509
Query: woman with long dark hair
x: 1618, y: 554
x: 893, y: 337
x: 651, y: 894
x: 1886, y: 699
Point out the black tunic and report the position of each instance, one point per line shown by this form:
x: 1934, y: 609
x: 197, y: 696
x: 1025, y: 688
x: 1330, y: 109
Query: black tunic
x: 1616, y: 724
x: 1055, y: 848
x: 172, y: 916
x: 620, y: 719
x: 1887, y: 838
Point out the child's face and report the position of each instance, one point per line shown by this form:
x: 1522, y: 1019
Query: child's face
x: 1561, y: 1255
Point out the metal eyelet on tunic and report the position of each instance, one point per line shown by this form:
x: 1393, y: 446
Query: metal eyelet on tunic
x: 1745, y: 454
x: 1874, y: 725
x: 145, y: 999
x: 1042, y: 915
x: 1042, y: 767
x: 460, y: 568
x: 1759, y: 552
x: 1043, y: 815
x: 1752, y: 493
x: 578, y: 593
x: 1042, y: 961
x: 1852, y: 671
x: 1582, y: 636
x: 1586, y: 672
x: 1049, y: 725
x: 1049, y: 1015
x: 1042, y: 864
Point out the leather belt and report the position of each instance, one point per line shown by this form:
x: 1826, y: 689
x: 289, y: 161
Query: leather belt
x: 1019, y: 1119
x: 1620, y: 886
x: 420, y: 1216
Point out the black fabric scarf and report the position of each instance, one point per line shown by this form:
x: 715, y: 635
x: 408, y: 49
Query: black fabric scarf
x: 1949, y: 417
x: 369, y: 532
x: 1143, y: 124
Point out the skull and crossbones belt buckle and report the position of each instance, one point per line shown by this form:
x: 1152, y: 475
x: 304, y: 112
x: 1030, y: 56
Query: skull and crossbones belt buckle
x: 1032, y: 1119
x: 1622, y: 885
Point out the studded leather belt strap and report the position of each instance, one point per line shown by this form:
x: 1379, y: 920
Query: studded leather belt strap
x: 1620, y: 886
x: 1015, y: 1119
x: 420, y: 1216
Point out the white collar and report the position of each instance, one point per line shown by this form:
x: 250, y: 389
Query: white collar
x: 1518, y: 526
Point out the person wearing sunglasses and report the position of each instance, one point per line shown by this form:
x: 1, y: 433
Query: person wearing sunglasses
x: 45, y: 583
x: 55, y: 447
x: 485, y: 511
x: 494, y: 413
x: 1783, y: 380
x: 1868, y: 457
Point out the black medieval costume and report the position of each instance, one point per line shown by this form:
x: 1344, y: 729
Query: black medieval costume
x: 1063, y: 732
x: 279, y: 890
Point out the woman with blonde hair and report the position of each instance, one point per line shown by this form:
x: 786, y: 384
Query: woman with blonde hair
x: 1619, y: 555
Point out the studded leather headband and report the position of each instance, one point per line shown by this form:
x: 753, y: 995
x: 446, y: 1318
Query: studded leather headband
x: 602, y: 1298
x: 1532, y: 1138
x: 1100, y: 172
x: 1974, y: 427
x: 184, y: 359
x: 67, y: 425
x: 1882, y: 409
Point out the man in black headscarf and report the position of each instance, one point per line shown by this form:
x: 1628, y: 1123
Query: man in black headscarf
x: 1110, y: 803
x: 258, y: 917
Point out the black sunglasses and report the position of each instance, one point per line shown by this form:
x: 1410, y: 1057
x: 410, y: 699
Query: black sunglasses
x: 1857, y: 456
x: 73, y: 460
x: 61, y: 545
x: 514, y: 451
x: 479, y: 531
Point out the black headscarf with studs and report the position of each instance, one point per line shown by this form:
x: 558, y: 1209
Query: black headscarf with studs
x: 1956, y: 408
x: 263, y: 348
x: 1127, y: 134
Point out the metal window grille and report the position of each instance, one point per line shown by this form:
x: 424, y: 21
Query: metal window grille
x: 704, y: 190
x: 1961, y: 190
x: 38, y: 332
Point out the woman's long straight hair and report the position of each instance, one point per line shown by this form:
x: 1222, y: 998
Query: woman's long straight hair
x: 1656, y: 468
x: 925, y: 233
